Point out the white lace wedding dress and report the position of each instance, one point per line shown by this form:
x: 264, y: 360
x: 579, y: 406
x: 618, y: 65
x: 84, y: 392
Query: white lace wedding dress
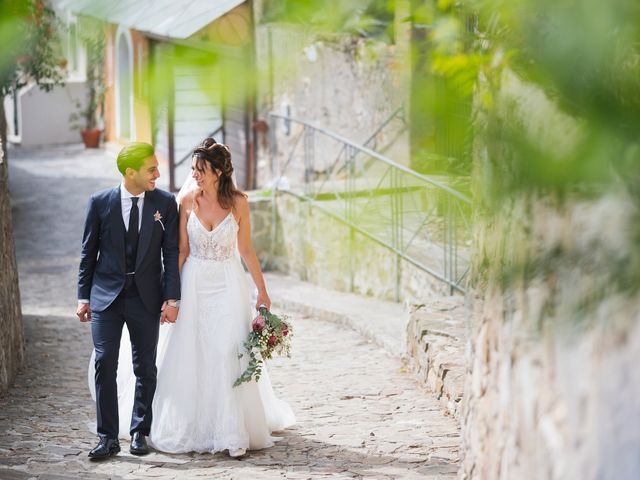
x: 196, y: 408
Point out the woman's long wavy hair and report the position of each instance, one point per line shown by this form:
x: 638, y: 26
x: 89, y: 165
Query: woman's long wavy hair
x: 218, y: 157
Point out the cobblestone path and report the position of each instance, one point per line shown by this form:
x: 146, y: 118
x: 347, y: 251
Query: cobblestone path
x: 360, y: 415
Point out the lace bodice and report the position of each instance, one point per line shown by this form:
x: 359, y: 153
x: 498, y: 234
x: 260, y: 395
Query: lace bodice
x: 218, y: 244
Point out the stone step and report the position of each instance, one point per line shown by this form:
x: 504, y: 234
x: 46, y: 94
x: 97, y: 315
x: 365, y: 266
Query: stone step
x: 436, y: 339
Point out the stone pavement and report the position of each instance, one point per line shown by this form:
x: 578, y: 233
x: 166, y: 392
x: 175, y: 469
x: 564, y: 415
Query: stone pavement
x: 360, y: 413
x: 381, y: 322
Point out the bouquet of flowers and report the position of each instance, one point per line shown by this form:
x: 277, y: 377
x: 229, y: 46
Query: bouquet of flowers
x: 269, y: 334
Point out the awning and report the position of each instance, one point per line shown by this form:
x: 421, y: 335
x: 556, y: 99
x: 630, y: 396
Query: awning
x: 165, y: 18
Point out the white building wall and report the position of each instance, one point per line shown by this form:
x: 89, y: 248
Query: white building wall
x: 44, y: 116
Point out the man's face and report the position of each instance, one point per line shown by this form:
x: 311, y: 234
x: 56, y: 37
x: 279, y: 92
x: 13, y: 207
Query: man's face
x: 145, y: 178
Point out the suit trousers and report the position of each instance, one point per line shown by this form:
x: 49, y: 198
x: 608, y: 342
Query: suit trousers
x: 106, y: 330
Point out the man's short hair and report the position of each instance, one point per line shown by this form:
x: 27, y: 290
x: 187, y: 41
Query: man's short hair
x: 133, y: 156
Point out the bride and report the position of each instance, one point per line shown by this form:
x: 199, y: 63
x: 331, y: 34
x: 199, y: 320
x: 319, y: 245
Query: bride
x: 196, y: 408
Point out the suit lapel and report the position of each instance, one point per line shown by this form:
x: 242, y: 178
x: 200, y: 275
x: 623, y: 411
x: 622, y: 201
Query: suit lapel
x: 146, y: 229
x: 117, y: 224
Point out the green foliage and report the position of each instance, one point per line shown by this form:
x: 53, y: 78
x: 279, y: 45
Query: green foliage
x: 445, y: 71
x: 556, y: 110
x: 584, y: 55
x: 29, y: 34
x: 365, y: 18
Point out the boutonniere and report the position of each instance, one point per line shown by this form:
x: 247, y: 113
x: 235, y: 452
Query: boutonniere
x: 158, y: 218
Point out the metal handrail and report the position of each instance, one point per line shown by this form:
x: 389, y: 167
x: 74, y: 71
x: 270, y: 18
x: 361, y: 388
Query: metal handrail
x: 385, y: 123
x: 397, y: 113
x: 372, y: 237
x: 190, y: 153
x: 376, y: 155
x: 187, y: 156
x: 446, y: 223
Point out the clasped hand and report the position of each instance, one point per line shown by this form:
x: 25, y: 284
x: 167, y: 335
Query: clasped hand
x: 168, y: 314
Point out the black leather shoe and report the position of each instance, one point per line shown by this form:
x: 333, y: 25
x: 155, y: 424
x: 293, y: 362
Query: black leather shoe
x: 139, y: 444
x: 104, y: 449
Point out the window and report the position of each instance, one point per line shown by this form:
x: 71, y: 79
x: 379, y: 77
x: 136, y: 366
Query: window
x: 125, y: 126
x: 74, y: 50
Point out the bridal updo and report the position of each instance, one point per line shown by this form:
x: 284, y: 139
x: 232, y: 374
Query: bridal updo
x: 218, y: 156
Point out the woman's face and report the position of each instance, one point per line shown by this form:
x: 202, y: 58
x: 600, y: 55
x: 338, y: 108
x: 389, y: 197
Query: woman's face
x: 203, y: 174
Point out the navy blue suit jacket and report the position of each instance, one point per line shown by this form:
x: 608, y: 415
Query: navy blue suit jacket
x: 102, y: 261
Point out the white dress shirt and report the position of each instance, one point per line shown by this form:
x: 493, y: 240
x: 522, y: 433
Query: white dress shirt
x: 125, y: 199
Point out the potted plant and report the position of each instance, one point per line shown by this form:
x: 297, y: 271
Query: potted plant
x: 87, y: 117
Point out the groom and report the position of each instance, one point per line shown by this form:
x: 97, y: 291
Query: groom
x: 130, y: 234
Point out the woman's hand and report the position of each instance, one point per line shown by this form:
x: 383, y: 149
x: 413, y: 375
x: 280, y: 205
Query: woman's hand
x: 263, y: 299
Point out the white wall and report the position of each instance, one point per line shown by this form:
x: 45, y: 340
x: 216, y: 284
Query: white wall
x: 44, y: 116
x: 8, y: 110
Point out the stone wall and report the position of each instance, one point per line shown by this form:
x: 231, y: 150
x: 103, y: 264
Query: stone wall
x: 261, y: 214
x: 436, y: 339
x: 552, y: 386
x: 339, y: 82
x: 11, y: 331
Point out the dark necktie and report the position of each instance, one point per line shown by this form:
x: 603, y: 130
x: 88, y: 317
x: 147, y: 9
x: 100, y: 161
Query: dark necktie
x: 132, y: 232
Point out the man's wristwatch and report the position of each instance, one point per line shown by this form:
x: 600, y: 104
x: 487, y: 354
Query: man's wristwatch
x: 173, y: 303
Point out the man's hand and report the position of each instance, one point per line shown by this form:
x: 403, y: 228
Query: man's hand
x: 168, y: 313
x: 83, y: 312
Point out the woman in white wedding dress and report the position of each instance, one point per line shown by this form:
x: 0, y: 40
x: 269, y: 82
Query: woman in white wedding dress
x: 196, y: 408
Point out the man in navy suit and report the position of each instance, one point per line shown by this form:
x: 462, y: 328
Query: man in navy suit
x: 128, y: 275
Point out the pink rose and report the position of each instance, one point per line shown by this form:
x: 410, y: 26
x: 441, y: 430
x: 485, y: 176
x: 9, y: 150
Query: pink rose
x: 258, y: 323
x: 272, y: 341
x: 285, y: 329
